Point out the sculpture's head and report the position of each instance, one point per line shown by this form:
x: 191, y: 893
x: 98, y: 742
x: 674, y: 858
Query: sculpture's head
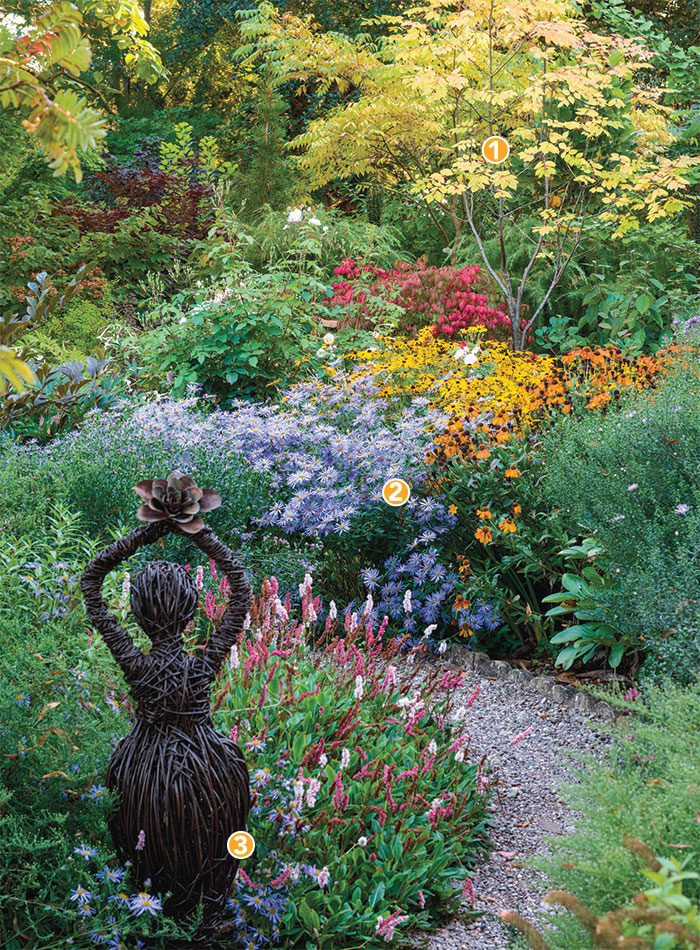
x: 163, y: 599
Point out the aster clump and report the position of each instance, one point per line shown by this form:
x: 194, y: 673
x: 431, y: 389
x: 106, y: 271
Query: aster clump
x: 177, y: 498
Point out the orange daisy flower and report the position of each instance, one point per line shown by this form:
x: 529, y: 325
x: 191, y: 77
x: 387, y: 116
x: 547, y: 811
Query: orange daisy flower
x: 507, y: 525
x: 484, y: 535
x: 512, y: 473
x: 483, y: 513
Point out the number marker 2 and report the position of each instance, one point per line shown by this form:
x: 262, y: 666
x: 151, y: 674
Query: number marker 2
x: 396, y: 492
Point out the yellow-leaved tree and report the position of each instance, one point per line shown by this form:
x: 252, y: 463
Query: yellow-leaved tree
x: 418, y: 104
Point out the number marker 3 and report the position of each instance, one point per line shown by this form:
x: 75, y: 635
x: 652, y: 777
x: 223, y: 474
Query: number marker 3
x: 240, y: 845
x: 495, y: 149
x: 396, y: 492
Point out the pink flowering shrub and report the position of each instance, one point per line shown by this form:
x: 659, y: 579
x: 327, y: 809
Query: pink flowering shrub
x: 448, y: 298
x: 365, y: 807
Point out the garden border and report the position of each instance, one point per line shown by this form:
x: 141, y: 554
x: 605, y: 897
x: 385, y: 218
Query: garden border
x: 578, y: 699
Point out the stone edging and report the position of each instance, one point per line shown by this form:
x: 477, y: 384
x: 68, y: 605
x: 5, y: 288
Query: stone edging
x: 563, y: 695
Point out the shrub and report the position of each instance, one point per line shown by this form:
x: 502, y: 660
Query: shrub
x: 451, y: 299
x: 646, y: 789
x: 242, y: 343
x: 638, y: 462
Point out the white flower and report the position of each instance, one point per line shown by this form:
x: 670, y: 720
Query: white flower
x: 442, y: 647
x: 362, y: 841
x: 432, y: 747
x: 358, y: 687
x: 183, y: 320
x: 407, y: 601
x: 344, y: 758
x: 429, y: 630
x: 468, y: 356
x: 367, y: 606
x: 333, y: 611
x: 325, y: 229
x: 459, y: 755
x: 328, y: 339
x: 320, y: 352
x: 314, y: 221
x: 311, y: 614
x: 235, y: 662
x: 295, y: 216
x: 323, y: 761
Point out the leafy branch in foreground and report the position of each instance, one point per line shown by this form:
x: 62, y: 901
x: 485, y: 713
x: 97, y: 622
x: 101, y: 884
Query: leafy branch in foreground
x: 42, y: 72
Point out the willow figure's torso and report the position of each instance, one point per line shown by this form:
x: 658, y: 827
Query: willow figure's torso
x: 181, y: 783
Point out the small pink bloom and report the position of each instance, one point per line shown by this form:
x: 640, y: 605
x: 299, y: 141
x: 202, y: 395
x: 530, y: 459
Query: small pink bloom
x: 473, y: 696
x: 421, y: 900
x: 141, y: 840
x: 520, y: 736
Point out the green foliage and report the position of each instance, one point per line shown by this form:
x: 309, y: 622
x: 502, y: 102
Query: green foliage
x: 580, y: 598
x: 94, y: 472
x: 634, y: 468
x: 53, y: 46
x: 275, y: 240
x: 646, y: 788
x: 268, y: 176
x: 512, y: 569
x: 241, y: 344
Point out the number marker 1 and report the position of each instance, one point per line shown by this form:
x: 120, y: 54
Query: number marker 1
x: 495, y: 149
x: 396, y: 492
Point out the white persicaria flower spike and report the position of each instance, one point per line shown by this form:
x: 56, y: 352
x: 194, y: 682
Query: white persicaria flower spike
x: 367, y: 606
x: 432, y: 747
x: 311, y: 615
x: 407, y: 602
x: 353, y: 622
x: 323, y: 761
x: 280, y: 611
x: 235, y: 662
x: 333, y: 611
x: 362, y: 842
x: 459, y: 755
x: 247, y: 621
x: 358, y: 687
x: 344, y: 758
x: 126, y: 585
x: 442, y: 647
x: 430, y: 629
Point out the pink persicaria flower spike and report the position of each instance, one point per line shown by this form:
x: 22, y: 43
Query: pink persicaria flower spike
x: 141, y: 841
x: 520, y: 736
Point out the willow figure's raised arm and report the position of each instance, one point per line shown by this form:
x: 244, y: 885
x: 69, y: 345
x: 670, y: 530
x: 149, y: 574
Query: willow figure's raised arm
x: 117, y: 639
x: 240, y: 598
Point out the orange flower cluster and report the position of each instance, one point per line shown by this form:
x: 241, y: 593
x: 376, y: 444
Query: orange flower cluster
x: 584, y: 378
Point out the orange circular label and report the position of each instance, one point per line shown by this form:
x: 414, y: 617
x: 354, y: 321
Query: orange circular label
x: 495, y: 149
x: 396, y: 492
x: 240, y: 844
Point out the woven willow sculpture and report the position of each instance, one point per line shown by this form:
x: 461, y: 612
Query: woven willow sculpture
x: 179, y: 781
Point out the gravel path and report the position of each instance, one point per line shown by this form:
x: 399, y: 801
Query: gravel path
x: 527, y: 807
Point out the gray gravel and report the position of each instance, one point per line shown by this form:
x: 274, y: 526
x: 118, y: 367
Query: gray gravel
x: 527, y: 809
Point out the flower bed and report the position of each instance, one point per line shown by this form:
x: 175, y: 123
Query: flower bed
x: 367, y: 812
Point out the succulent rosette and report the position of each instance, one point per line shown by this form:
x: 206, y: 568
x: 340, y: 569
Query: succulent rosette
x: 177, y: 498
